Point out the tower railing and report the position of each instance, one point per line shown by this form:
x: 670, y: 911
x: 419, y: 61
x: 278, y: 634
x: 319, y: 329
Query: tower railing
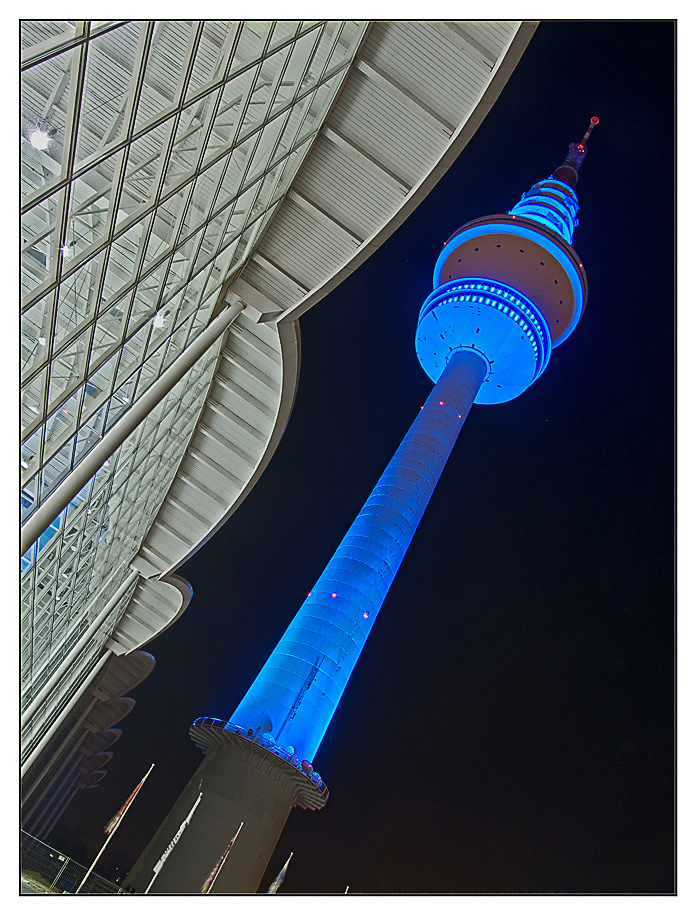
x: 202, y: 725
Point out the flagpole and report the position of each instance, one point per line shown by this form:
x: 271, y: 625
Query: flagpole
x: 275, y: 886
x: 216, y: 870
x: 160, y: 864
x: 225, y: 855
x: 111, y: 834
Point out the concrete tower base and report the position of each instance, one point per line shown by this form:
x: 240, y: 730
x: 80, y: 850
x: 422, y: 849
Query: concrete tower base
x: 240, y: 781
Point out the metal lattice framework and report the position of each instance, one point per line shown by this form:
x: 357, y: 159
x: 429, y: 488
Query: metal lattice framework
x: 173, y: 172
x: 170, y: 145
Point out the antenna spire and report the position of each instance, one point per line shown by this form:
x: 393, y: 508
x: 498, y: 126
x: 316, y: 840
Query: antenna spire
x: 568, y: 171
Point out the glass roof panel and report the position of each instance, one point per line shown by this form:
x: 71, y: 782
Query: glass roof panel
x: 108, y: 79
x: 35, y: 32
x: 187, y: 135
x: 166, y: 62
x: 44, y: 101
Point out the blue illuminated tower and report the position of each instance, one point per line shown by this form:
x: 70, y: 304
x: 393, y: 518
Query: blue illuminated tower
x: 507, y: 290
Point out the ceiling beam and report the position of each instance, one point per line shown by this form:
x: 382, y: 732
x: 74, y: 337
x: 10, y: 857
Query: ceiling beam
x: 407, y: 99
x: 365, y: 160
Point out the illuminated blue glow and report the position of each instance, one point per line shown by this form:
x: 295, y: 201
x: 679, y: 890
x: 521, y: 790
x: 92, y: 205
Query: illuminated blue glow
x: 494, y: 320
x: 481, y: 341
x: 521, y: 231
x: 552, y: 203
x: 296, y: 692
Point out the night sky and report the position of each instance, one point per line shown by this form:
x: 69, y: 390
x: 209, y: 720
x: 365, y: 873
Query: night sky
x: 509, y: 726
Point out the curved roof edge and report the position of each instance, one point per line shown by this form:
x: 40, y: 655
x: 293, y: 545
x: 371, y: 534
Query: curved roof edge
x: 154, y: 606
x: 289, y: 337
x: 419, y: 192
x: 238, y: 430
x: 259, y: 356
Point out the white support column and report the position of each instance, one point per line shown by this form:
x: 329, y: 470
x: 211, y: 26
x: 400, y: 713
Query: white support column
x: 85, y: 470
x: 94, y: 673
x: 77, y: 650
x: 35, y: 810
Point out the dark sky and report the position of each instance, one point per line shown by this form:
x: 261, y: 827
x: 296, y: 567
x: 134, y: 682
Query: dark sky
x: 509, y: 726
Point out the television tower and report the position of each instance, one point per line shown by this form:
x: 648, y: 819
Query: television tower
x: 507, y: 290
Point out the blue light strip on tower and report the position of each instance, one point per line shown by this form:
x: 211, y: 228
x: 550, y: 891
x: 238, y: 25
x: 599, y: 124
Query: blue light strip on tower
x: 296, y: 693
x: 553, y: 204
x: 518, y: 230
x: 482, y: 292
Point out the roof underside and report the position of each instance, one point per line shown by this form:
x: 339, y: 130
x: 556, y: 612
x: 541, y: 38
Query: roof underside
x: 187, y: 163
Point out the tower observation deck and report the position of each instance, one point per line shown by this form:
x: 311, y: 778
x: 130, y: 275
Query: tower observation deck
x: 508, y: 288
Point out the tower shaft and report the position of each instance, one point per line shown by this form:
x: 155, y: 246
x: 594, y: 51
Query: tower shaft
x: 251, y: 778
x: 296, y: 693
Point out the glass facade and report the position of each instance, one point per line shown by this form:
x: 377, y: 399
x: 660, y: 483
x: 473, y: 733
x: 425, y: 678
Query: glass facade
x: 153, y: 155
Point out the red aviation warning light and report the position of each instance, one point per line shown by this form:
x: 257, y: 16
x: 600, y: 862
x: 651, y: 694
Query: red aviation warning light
x: 568, y: 171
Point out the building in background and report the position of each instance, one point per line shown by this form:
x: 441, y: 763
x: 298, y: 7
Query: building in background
x: 189, y: 189
x: 508, y: 289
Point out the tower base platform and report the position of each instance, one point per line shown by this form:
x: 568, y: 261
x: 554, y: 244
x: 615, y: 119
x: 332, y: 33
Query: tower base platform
x: 241, y: 781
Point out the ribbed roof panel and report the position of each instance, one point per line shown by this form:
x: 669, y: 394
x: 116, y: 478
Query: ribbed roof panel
x: 433, y: 68
x: 281, y: 289
x: 296, y: 243
x: 386, y: 129
x: 338, y: 185
x: 494, y: 35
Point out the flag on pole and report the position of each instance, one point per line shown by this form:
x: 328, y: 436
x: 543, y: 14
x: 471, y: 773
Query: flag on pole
x: 212, y: 876
x: 112, y: 826
x: 176, y: 838
x: 158, y: 867
x: 275, y: 886
x: 117, y: 817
